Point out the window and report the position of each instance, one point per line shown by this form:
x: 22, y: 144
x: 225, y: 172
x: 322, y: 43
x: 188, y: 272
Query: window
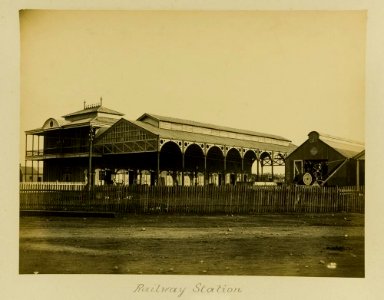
x: 297, y: 167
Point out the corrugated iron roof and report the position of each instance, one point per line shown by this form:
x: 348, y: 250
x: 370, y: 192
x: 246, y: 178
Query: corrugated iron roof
x: 99, y: 109
x: 347, y: 148
x: 205, y: 138
x: 104, y: 123
x: 210, y: 126
x: 96, y: 122
x: 61, y: 121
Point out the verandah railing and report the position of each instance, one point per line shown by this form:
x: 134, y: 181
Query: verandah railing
x: 193, y: 199
x: 51, y: 186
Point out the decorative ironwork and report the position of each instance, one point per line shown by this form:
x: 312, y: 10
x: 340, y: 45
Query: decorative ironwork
x: 93, y: 105
x: 179, y: 143
x: 279, y: 159
x: 266, y: 158
x: 125, y: 137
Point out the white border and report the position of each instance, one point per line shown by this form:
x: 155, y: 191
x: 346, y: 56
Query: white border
x: 14, y: 286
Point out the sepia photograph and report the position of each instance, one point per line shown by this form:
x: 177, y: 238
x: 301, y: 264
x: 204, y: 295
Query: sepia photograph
x: 222, y: 143
x: 192, y: 151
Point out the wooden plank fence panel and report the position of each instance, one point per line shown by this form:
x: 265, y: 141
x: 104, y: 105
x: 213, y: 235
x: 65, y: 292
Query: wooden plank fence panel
x: 193, y: 199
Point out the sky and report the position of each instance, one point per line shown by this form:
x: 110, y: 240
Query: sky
x: 279, y: 72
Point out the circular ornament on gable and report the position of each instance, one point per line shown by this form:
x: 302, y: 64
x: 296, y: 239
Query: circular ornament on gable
x: 313, y: 151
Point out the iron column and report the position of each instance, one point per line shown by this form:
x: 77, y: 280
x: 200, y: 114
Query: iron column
x: 91, y: 137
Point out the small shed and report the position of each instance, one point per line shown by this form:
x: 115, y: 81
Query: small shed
x: 326, y: 160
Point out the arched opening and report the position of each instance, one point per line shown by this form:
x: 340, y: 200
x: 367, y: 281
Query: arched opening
x: 234, y: 161
x: 233, y: 166
x: 266, y: 167
x: 170, y: 157
x: 250, y: 166
x: 279, y: 168
x: 194, y: 164
x: 171, y: 162
x: 215, y: 164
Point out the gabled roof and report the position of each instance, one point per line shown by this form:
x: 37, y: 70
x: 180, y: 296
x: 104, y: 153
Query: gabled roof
x: 64, y: 124
x: 61, y: 122
x: 211, y: 139
x: 92, y: 115
x: 96, y: 122
x: 347, y: 148
x: 235, y: 138
x: 210, y: 126
x: 94, y: 109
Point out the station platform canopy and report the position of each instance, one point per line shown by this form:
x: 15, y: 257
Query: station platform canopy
x: 185, y: 132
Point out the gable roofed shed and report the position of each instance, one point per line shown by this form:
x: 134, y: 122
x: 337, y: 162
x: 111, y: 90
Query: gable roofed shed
x: 328, y: 159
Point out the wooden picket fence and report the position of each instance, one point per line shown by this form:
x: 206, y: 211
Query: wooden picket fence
x: 52, y: 186
x: 193, y: 199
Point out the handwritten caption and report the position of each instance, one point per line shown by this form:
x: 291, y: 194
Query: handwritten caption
x: 179, y: 291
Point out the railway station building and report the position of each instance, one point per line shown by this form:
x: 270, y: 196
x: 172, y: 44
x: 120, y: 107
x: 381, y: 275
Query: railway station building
x: 97, y: 145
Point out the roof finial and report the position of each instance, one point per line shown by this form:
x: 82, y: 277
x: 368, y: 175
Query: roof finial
x: 85, y: 103
x: 101, y: 101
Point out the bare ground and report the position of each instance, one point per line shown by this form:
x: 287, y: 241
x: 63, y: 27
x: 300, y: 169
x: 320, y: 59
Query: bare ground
x: 330, y: 245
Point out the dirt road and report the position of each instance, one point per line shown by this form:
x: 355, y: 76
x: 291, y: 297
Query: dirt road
x: 280, y: 245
